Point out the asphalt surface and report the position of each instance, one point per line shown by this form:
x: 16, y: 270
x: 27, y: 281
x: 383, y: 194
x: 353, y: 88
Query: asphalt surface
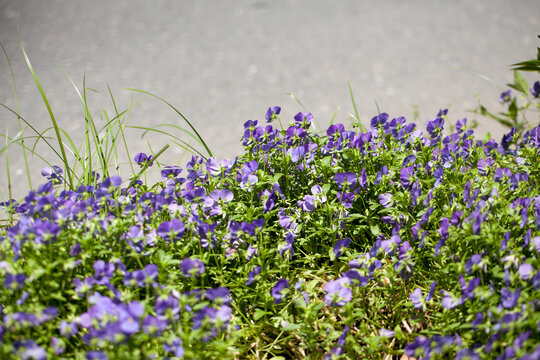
x: 224, y: 62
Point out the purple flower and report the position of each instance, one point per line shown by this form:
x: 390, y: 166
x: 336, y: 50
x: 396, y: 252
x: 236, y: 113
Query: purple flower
x: 386, y: 333
x: 68, y: 329
x: 141, y: 159
x: 14, y: 281
x: 448, y: 301
x: 220, y: 295
x: 28, y: 349
x: 429, y: 296
x: 385, y: 199
x: 508, y: 298
x: 473, y: 260
x: 363, y: 179
x: 280, y: 290
x: 129, y: 317
x: 153, y: 325
x: 103, y: 272
x: 288, y: 246
x: 340, y: 244
x: 468, y: 287
x: 526, y: 271
x: 170, y: 172
x: 53, y: 174
x: 175, y: 347
x: 251, y: 275
x: 379, y: 119
x: 272, y: 113
x: 338, y: 292
x: 435, y: 127
x: 505, y: 96
x: 345, y: 180
x: 346, y: 198
x: 171, y: 230
x: 303, y: 119
x: 417, y: 299
x: 405, y: 175
x: 355, y: 278
x: 191, y: 267
x: 535, y: 90
x: 308, y: 204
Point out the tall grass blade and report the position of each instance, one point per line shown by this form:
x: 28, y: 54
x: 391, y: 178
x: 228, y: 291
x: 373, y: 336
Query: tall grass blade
x: 121, y: 126
x: 51, y: 115
x: 18, y: 118
x: 362, y: 127
x: 200, y: 139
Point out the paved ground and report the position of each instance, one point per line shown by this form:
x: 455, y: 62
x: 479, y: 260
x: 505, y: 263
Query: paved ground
x: 224, y: 62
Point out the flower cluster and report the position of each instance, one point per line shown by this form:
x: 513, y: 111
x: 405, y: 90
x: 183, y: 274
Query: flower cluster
x: 396, y: 240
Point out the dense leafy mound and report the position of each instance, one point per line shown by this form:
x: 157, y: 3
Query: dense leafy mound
x: 348, y: 244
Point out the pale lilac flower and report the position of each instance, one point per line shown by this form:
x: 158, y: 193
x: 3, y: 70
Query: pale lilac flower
x: 338, y: 292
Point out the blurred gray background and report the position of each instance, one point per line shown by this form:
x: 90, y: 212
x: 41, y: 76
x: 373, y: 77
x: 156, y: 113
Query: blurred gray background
x: 224, y: 62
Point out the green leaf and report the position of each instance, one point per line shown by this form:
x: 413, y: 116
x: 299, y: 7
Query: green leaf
x: 259, y: 314
x: 520, y: 83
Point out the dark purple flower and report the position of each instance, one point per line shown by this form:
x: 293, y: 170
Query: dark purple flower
x: 468, y: 288
x: 141, y: 159
x: 435, y: 127
x: 505, y: 96
x: 379, y: 119
x: 473, y: 260
x: 429, y: 296
x: 340, y: 244
x: 191, y: 267
x: 280, y: 290
x: 251, y: 275
x: 535, y: 90
x: 346, y: 198
x: 272, y: 113
x: 170, y: 172
x: 363, y: 179
x: 508, y: 298
x: 103, y: 272
x: 338, y: 292
x: 14, y: 281
x: 303, y: 119
x: 288, y: 246
x: 355, y: 278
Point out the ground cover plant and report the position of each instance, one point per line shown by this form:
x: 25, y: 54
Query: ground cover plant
x: 365, y: 243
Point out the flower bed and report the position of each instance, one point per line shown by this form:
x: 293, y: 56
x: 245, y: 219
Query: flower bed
x: 346, y: 244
